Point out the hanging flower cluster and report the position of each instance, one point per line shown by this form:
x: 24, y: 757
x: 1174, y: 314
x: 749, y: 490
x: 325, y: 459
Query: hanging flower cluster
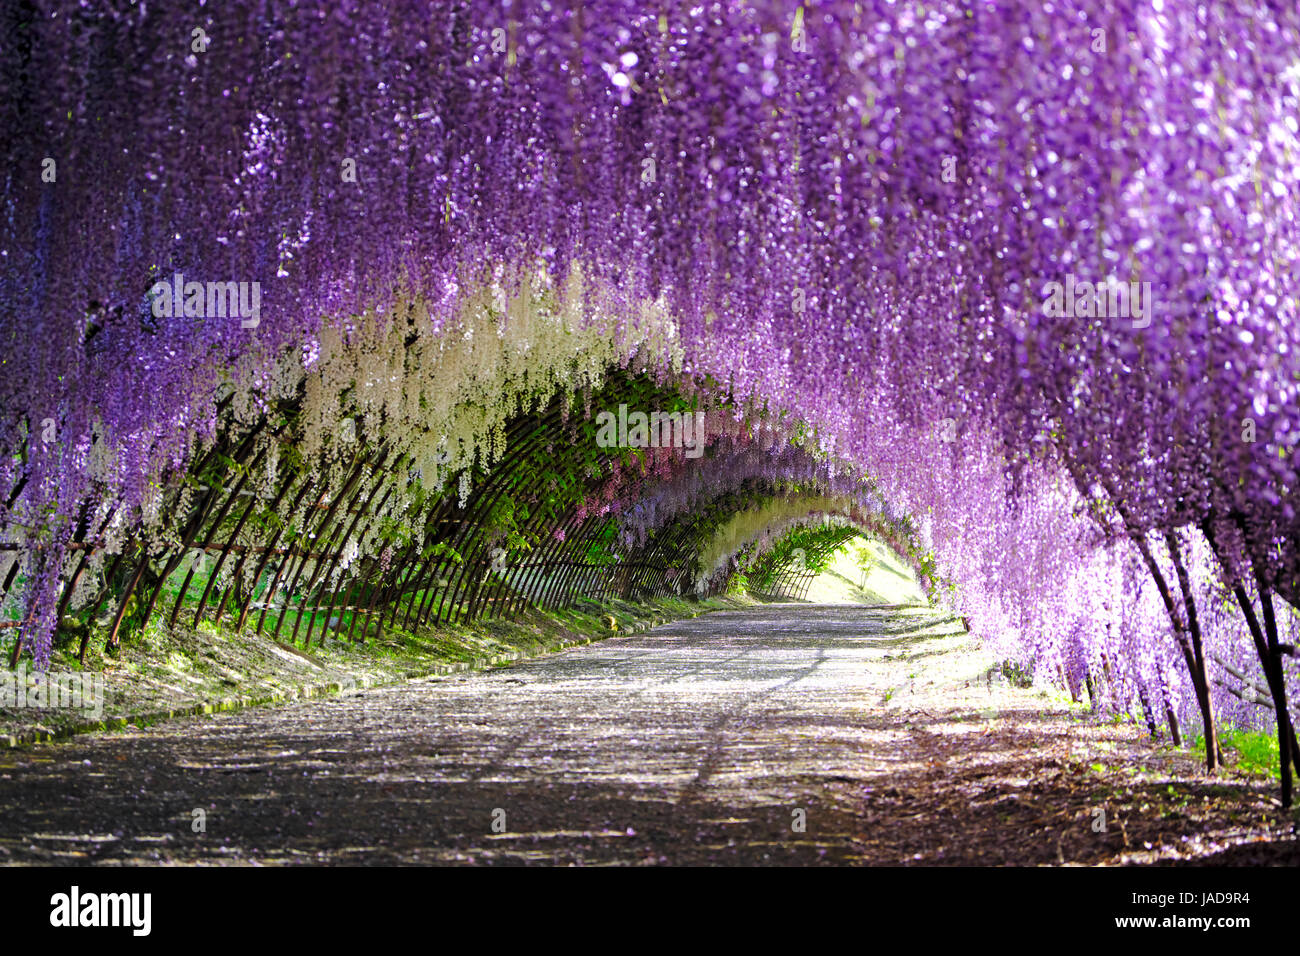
x: 1030, y: 266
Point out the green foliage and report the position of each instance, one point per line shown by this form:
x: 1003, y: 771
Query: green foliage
x: 442, y: 549
x: 1017, y: 675
x: 1256, y: 750
x: 811, y: 547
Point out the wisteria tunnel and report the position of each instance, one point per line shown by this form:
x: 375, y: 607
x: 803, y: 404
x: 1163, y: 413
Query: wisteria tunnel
x: 521, y: 533
x: 416, y: 335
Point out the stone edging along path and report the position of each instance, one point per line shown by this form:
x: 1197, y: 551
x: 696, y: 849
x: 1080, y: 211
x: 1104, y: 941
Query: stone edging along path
x: 309, y: 691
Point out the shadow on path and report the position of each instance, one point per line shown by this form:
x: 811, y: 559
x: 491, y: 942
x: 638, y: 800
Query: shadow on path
x: 786, y: 734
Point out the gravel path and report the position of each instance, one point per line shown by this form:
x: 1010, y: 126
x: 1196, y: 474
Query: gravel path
x: 785, y: 734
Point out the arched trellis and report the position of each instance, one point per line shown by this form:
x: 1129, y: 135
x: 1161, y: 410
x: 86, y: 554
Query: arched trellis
x: 785, y: 550
x: 790, y: 575
x: 232, y: 557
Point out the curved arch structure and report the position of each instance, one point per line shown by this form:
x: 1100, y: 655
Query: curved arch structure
x: 297, y: 548
x: 780, y: 545
x: 790, y: 576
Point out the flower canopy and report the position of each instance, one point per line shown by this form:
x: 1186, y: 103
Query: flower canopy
x: 1027, y: 267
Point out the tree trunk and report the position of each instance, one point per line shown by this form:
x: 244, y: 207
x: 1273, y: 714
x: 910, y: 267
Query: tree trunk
x: 1150, y: 717
x: 1270, y: 658
x: 1277, y: 683
x: 1195, y: 666
x: 1172, y: 719
x: 1200, y: 678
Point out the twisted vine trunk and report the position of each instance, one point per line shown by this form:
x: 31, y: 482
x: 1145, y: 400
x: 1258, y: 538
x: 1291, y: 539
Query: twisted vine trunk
x: 1191, y: 647
x: 1277, y: 684
x: 1270, y: 659
x: 1200, y: 676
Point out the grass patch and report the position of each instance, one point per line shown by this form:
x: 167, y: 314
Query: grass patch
x: 1255, y: 750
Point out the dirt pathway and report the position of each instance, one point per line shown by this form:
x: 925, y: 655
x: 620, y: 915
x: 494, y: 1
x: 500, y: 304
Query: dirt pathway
x: 785, y: 734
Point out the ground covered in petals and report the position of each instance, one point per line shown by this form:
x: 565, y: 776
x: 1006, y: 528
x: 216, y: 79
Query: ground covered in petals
x: 778, y: 734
